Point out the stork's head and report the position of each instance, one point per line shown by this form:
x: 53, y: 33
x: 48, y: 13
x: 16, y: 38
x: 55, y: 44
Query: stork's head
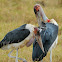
x: 38, y: 37
x: 38, y: 10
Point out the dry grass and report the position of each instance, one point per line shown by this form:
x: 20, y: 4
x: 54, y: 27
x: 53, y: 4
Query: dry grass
x: 14, y: 13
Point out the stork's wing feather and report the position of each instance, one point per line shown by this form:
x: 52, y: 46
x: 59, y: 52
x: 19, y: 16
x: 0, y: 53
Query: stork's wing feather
x: 16, y: 36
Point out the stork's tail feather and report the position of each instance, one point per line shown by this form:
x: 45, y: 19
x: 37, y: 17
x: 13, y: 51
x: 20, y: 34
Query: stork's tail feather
x: 1, y: 44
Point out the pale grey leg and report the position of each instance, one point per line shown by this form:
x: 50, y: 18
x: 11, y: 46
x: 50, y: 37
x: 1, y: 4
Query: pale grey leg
x: 16, y: 55
x: 24, y: 60
x: 10, y: 55
x: 41, y: 60
x: 51, y: 55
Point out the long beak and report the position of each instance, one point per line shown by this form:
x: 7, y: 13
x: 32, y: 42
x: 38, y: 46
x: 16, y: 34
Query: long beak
x: 39, y: 40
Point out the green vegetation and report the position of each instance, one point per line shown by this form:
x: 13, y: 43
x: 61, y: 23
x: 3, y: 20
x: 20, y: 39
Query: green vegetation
x: 14, y: 13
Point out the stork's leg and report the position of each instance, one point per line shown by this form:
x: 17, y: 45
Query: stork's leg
x: 51, y: 55
x: 16, y: 55
x: 41, y: 61
x: 10, y: 55
x: 24, y: 60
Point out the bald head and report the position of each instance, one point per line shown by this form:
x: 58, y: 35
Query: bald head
x: 38, y: 10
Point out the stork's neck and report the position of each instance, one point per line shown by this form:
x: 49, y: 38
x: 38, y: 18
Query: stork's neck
x: 44, y: 17
x: 39, y: 22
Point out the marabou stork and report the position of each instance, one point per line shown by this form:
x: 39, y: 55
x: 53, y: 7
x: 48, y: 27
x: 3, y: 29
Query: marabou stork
x: 18, y: 38
x: 49, y: 35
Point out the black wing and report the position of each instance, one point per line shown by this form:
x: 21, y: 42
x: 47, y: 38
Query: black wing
x: 16, y: 36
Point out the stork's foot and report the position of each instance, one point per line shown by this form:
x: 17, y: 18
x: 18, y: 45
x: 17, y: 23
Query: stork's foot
x: 24, y: 60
